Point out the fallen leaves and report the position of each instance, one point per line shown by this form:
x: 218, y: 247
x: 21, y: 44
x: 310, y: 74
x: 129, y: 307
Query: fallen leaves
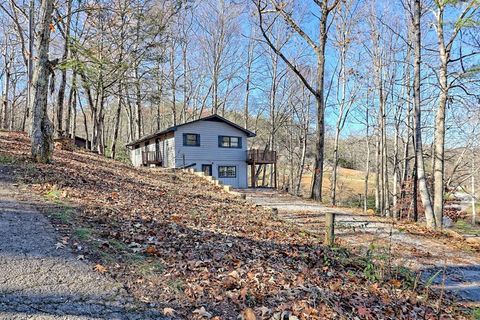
x: 100, y: 268
x: 248, y: 314
x: 202, y: 312
x: 169, y: 312
x: 59, y: 245
x: 151, y: 250
x: 176, y: 242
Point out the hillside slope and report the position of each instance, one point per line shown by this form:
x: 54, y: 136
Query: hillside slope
x: 194, y: 251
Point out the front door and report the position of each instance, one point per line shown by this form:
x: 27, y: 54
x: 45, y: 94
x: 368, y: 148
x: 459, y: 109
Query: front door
x: 207, y: 169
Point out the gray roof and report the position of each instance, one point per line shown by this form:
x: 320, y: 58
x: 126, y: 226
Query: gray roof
x: 214, y: 118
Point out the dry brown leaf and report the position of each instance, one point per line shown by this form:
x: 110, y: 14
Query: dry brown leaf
x: 396, y: 283
x: 100, y: 268
x: 169, y: 312
x: 248, y: 314
x: 151, y: 250
x: 202, y: 312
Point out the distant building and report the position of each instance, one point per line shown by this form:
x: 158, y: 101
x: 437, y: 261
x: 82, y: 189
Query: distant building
x: 82, y: 143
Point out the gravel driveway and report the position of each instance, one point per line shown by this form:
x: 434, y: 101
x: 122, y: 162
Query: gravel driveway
x: 40, y: 280
x: 430, y: 256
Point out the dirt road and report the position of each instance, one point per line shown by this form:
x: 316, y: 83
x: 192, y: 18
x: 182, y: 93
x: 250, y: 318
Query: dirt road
x: 41, y: 279
x: 430, y: 256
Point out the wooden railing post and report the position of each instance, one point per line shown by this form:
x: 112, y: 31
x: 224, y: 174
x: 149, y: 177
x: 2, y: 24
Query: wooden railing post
x: 329, y: 228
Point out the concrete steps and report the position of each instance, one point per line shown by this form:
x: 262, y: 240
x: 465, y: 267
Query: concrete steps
x: 213, y: 180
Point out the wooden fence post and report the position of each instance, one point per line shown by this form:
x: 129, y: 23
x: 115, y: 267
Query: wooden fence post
x: 329, y: 228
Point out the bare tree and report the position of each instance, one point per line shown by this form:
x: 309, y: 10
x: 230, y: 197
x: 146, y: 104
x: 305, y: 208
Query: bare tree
x: 317, y: 87
x: 445, y: 47
x: 420, y: 166
x: 42, y: 128
x: 63, y: 81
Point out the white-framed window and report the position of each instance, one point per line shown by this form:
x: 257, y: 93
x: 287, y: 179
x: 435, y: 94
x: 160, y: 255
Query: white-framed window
x: 229, y: 142
x: 191, y: 139
x: 227, y: 171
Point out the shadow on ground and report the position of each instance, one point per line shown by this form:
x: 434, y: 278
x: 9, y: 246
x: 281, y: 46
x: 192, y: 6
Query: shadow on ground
x: 462, y: 281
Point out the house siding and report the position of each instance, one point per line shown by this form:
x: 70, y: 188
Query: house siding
x: 209, y: 151
x: 167, y: 147
x: 175, y: 154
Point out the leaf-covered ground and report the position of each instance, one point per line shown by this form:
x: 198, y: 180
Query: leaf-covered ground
x: 196, y: 252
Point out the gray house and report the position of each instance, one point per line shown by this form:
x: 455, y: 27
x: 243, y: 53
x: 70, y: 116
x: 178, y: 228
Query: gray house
x: 212, y: 144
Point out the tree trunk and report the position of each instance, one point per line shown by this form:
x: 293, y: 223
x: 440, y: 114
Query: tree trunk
x: 8, y: 65
x: 378, y: 201
x: 367, y: 166
x: 185, y: 86
x: 439, y: 144
x: 42, y: 130
x: 138, y: 101
x: 13, y: 106
x: 71, y: 99
x: 247, y: 82
x: 301, y: 166
x: 320, y: 80
x: 63, y: 81
x: 29, y: 64
x: 420, y: 169
x: 117, y: 121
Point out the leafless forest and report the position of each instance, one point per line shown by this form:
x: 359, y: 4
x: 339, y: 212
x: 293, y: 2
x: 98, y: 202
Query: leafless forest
x: 388, y: 88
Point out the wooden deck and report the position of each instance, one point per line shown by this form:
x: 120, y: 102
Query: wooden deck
x: 151, y: 158
x: 255, y: 156
x: 261, y: 161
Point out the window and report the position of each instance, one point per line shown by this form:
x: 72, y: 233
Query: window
x: 227, y: 171
x: 229, y: 142
x: 191, y: 139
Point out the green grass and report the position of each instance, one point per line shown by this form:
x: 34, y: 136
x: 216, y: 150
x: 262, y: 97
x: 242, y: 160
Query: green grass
x: 118, y: 245
x: 64, y: 215
x: 465, y: 227
x: 53, y: 194
x: 476, y: 313
x: 176, y: 285
x: 477, y: 208
x: 107, y: 257
x: 357, y: 202
x: 6, y: 159
x: 135, y: 258
x: 151, y: 268
x: 83, y: 233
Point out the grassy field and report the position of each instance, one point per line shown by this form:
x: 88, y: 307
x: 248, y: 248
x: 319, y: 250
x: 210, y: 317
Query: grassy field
x: 350, y: 185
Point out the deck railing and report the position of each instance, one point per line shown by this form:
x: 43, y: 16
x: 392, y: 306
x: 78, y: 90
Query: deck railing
x: 261, y: 156
x: 151, y: 157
